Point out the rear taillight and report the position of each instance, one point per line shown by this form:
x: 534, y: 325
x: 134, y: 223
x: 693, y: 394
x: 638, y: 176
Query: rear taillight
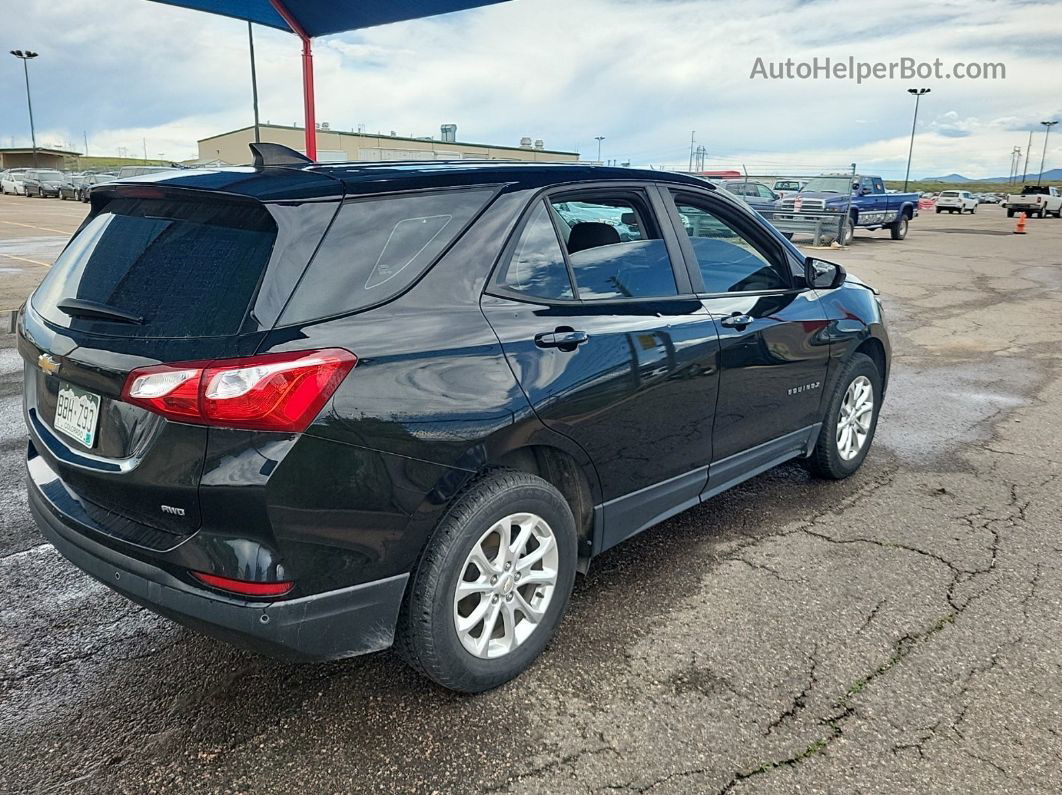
x: 244, y: 587
x: 270, y: 392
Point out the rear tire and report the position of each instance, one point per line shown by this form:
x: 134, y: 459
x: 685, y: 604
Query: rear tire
x: 835, y: 457
x: 1010, y: 213
x: 428, y: 637
x: 898, y: 228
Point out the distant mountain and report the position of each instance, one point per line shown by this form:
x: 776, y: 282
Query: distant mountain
x: 1051, y: 177
x: 950, y: 178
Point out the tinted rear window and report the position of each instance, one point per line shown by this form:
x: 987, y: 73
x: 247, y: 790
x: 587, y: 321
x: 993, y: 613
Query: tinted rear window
x: 189, y: 269
x: 378, y: 247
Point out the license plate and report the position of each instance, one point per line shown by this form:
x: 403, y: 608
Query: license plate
x: 76, y: 413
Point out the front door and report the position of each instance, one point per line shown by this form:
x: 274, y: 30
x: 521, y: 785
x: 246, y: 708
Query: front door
x: 611, y: 347
x: 774, y: 347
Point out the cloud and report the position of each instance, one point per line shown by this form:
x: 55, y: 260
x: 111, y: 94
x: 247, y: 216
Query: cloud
x: 643, y: 73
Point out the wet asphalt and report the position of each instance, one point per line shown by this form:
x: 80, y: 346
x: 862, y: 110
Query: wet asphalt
x: 900, y: 631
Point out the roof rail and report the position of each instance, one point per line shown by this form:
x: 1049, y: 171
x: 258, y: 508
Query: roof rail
x: 277, y: 155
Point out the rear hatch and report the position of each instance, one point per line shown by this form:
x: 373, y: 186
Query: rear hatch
x: 153, y: 276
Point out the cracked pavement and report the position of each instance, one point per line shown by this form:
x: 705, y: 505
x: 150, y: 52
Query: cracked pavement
x: 900, y: 631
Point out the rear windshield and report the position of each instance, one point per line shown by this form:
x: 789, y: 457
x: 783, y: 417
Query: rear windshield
x: 378, y: 247
x: 187, y: 269
x: 951, y: 194
x: 1033, y: 190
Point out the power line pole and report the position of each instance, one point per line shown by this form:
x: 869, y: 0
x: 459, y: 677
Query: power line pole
x: 692, y: 134
x: 84, y: 135
x: 1028, y: 151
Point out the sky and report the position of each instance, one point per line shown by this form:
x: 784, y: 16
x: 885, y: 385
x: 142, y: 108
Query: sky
x: 641, y: 73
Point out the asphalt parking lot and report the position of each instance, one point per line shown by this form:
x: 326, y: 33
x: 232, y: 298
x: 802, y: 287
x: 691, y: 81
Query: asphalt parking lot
x: 897, y: 632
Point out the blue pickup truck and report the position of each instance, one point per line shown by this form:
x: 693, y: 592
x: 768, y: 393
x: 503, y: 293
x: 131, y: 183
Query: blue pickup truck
x: 826, y: 200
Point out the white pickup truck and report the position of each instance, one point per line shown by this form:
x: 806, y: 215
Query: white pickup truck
x: 1038, y: 200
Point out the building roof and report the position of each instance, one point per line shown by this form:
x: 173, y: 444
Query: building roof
x: 389, y: 138
x: 28, y: 150
x: 339, y: 179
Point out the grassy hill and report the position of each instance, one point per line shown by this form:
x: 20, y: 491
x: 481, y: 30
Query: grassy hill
x: 937, y: 187
x: 109, y: 163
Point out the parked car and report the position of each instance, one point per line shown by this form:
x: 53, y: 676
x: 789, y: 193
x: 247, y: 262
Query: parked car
x: 783, y: 187
x: 572, y: 213
x: 11, y: 181
x: 861, y: 198
x: 319, y: 410
x: 89, y: 180
x: 139, y: 171
x: 42, y: 182
x: 956, y: 201
x: 986, y: 198
x: 755, y: 194
x: 1038, y: 200
x: 70, y: 187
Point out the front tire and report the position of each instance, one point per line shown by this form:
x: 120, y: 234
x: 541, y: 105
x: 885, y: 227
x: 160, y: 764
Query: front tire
x: 509, y: 545
x: 850, y: 420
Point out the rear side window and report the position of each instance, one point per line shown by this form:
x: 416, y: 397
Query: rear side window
x: 187, y: 269
x: 377, y: 247
x: 614, y: 248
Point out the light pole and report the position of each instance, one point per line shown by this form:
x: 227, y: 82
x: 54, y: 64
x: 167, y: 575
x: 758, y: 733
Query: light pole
x: 26, y: 55
x: 918, y: 92
x: 1047, y: 131
x: 599, y: 139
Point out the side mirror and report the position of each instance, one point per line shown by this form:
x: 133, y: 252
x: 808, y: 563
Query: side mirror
x: 823, y: 275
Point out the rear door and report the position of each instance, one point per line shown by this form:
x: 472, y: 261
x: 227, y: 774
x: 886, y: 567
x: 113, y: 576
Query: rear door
x: 145, y: 281
x: 774, y: 346
x: 611, y: 346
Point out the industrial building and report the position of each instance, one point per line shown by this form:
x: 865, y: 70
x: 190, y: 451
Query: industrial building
x: 22, y: 157
x: 339, y: 145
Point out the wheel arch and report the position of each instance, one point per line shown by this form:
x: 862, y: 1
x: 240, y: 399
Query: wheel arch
x: 526, y: 447
x: 875, y: 350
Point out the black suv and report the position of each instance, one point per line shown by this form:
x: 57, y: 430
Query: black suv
x: 321, y: 409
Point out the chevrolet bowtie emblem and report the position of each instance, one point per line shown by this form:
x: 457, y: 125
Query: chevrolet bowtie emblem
x: 48, y: 363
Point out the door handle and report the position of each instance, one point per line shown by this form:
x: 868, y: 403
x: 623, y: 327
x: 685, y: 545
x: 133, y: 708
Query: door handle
x: 736, y: 321
x: 565, y: 339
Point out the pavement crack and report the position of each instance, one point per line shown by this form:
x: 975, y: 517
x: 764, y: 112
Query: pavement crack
x: 800, y: 700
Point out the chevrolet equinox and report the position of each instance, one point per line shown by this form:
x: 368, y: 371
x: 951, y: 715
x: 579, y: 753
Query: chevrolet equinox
x: 319, y: 410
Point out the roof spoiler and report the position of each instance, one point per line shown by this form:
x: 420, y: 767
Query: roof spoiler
x: 277, y: 155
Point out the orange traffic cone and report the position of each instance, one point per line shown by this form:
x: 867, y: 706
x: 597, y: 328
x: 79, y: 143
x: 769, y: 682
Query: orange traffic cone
x: 1020, y: 228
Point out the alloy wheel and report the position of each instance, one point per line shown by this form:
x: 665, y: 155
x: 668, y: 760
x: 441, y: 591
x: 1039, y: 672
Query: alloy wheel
x: 506, y: 585
x: 853, y: 423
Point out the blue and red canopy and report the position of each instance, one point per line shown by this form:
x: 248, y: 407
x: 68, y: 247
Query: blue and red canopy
x: 310, y: 18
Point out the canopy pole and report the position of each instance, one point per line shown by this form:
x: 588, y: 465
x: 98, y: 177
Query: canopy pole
x: 307, y: 78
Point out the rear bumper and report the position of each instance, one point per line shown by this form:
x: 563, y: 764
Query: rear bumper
x: 330, y: 625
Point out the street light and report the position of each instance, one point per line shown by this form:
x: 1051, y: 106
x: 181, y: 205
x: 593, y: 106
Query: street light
x: 1047, y: 131
x: 26, y: 55
x: 599, y: 139
x: 918, y: 92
